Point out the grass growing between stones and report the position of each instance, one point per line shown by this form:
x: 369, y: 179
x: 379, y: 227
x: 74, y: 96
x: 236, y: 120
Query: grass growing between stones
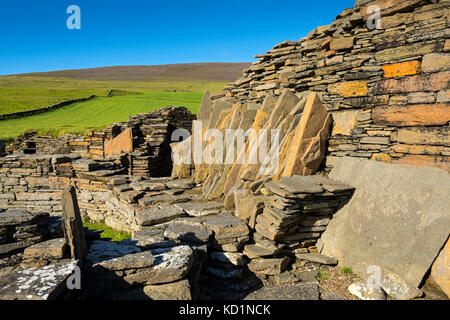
x: 347, y: 270
x: 97, y: 113
x: 108, y: 233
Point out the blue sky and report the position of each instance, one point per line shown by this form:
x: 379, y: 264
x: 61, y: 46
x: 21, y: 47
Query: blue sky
x: 34, y: 36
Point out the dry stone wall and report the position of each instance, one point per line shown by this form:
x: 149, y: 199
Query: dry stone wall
x: 387, y: 89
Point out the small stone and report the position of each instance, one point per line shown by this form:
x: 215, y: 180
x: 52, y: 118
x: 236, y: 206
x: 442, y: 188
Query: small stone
x: 233, y: 258
x: 364, y: 292
x: 269, y: 266
x: 180, y: 290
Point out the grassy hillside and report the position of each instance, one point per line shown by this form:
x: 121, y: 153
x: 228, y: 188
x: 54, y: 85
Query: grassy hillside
x: 215, y: 72
x: 98, y: 113
x: 26, y: 93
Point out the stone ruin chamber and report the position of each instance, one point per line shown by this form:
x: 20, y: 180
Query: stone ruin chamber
x: 363, y: 119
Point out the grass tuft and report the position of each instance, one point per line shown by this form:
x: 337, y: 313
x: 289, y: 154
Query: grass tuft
x: 108, y: 233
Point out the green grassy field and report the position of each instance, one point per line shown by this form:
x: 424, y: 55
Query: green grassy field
x: 98, y: 113
x: 19, y: 93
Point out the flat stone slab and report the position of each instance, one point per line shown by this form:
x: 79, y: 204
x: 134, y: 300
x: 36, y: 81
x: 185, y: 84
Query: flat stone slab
x: 101, y: 251
x: 180, y: 184
x: 148, y: 186
x: 44, y: 283
x: 201, y: 209
x: 397, y: 219
x: 305, y: 291
x: 130, y: 261
x: 317, y: 257
x: 54, y: 248
x: 159, y: 214
x: 188, y: 232
x: 226, y: 226
x: 164, y: 198
x: 171, y: 264
x: 300, y: 184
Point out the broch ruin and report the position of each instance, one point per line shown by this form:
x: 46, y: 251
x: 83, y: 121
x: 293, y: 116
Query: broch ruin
x: 360, y: 181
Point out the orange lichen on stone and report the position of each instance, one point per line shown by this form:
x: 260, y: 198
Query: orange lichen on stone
x: 383, y: 157
x: 407, y: 68
x: 349, y: 89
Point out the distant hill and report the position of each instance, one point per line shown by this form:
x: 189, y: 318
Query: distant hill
x: 172, y: 72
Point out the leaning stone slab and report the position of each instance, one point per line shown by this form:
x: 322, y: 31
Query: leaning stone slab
x: 300, y: 291
x: 397, y: 218
x: 204, y: 112
x: 44, y: 283
x: 73, y: 225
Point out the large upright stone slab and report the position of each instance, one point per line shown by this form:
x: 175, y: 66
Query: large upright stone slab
x: 309, y: 141
x: 218, y: 107
x: 73, y: 225
x: 397, y: 219
x: 204, y: 112
x: 123, y: 143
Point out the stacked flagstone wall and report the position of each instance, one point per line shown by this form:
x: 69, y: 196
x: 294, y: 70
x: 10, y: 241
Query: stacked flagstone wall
x: 387, y: 88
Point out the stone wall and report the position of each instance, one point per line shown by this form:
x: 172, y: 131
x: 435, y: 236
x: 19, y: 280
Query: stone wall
x: 34, y: 183
x: 387, y: 89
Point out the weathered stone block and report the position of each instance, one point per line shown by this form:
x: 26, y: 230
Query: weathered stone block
x: 412, y: 115
x: 344, y: 122
x: 436, y: 62
x: 425, y: 135
x: 420, y: 83
x: 342, y: 44
x: 404, y: 237
x: 408, y: 51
